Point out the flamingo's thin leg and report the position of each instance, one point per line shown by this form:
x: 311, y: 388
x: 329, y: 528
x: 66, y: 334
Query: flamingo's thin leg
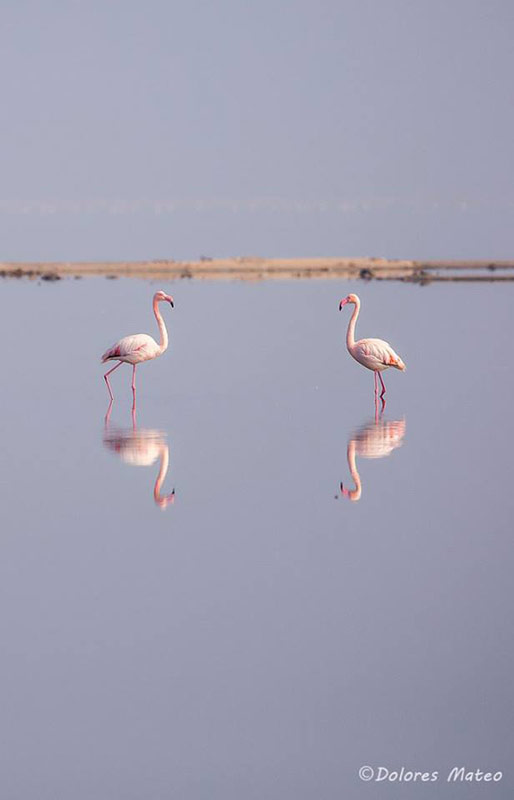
x: 383, y: 387
x: 375, y: 373
x: 106, y: 379
x: 108, y: 415
x: 134, y: 388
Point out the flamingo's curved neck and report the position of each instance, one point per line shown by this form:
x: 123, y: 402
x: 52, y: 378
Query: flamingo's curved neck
x: 163, y: 343
x: 350, y: 333
x: 163, y: 500
x: 353, y: 494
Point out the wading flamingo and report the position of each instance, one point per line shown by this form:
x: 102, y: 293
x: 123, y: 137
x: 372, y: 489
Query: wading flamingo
x: 374, y: 440
x: 375, y: 354
x: 139, y: 347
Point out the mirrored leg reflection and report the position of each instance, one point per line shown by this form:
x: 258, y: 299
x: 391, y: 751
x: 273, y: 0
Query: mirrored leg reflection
x: 376, y: 439
x: 142, y: 448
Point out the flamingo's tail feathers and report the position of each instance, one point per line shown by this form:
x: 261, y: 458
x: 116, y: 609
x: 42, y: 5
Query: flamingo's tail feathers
x: 112, y: 352
x: 394, y: 360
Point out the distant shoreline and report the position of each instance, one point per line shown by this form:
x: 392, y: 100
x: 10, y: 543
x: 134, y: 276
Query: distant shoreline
x: 263, y: 269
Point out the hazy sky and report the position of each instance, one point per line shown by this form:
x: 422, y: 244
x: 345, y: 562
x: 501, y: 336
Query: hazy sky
x: 335, y: 127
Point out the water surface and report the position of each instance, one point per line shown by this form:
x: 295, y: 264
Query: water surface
x: 258, y: 633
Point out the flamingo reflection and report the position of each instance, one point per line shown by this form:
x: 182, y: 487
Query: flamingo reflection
x: 376, y: 439
x: 141, y: 448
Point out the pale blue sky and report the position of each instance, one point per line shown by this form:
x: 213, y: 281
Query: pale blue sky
x: 166, y: 129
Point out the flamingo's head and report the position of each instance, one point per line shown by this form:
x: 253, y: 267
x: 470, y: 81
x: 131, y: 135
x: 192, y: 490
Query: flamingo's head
x: 163, y: 501
x: 160, y: 296
x: 352, y: 298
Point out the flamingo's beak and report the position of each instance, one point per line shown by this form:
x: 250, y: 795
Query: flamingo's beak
x: 170, y: 301
x: 342, y: 303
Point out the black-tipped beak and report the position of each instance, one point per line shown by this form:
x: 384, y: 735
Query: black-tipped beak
x: 171, y: 303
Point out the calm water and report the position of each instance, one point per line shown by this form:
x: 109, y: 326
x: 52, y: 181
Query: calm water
x: 258, y: 634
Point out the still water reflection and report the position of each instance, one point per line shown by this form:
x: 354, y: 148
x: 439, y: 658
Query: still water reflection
x: 272, y: 645
x: 375, y: 439
x: 141, y: 447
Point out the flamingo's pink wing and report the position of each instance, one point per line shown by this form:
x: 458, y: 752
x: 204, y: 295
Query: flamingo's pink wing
x: 378, y: 352
x: 138, y: 343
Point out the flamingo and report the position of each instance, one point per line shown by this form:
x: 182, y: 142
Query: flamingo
x: 139, y: 347
x: 374, y: 354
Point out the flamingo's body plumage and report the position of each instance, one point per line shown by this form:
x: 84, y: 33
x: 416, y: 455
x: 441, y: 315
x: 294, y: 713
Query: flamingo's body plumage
x: 139, y: 347
x: 133, y: 349
x: 374, y: 354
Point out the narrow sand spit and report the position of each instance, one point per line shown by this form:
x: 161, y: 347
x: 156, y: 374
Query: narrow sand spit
x: 259, y: 269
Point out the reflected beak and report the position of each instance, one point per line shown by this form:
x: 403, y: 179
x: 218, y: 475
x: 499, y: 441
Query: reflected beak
x: 342, y: 303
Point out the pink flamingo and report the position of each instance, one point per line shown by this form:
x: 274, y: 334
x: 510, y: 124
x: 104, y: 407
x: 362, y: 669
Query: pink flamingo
x: 138, y: 348
x: 374, y: 354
